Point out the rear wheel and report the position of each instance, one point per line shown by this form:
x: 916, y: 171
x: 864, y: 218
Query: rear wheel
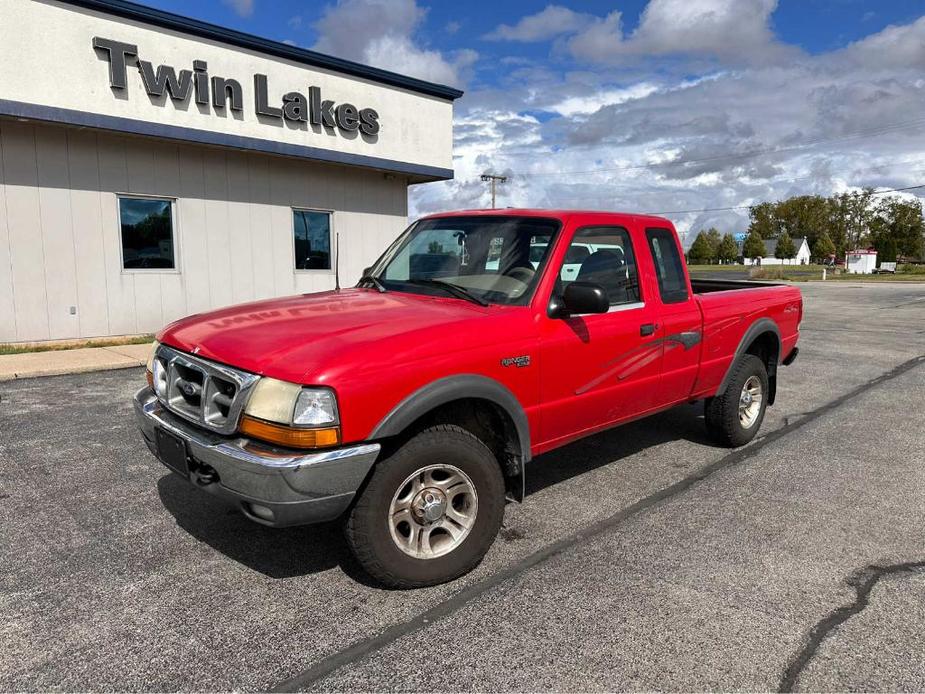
x: 430, y: 511
x: 734, y: 417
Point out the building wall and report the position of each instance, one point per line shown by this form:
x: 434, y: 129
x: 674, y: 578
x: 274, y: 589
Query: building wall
x: 60, y: 244
x: 41, y: 37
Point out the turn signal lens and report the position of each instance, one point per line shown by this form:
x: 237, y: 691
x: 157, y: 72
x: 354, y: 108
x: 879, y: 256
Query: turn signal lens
x: 289, y: 436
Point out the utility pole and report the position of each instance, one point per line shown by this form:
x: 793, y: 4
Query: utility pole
x: 493, y: 179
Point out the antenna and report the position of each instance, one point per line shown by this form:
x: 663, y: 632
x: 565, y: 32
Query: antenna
x: 336, y: 261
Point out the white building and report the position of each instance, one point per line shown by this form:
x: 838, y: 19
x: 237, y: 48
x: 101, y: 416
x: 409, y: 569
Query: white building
x: 802, y: 257
x: 861, y: 262
x: 153, y: 166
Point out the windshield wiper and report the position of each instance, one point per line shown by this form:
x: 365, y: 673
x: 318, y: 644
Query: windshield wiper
x: 449, y: 288
x: 373, y: 280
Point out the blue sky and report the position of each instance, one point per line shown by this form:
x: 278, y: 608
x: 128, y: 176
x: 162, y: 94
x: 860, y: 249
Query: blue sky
x: 647, y: 105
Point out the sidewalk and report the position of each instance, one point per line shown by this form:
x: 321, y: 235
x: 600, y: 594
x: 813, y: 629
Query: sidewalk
x: 72, y: 361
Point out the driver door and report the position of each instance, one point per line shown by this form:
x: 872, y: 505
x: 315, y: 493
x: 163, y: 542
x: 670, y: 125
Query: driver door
x: 600, y: 369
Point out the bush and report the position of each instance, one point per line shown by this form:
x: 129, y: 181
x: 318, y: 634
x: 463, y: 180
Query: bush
x: 771, y: 273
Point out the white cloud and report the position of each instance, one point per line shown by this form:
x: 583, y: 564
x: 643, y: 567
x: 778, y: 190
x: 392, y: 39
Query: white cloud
x: 727, y: 30
x: 382, y: 33
x: 893, y: 47
x: 552, y: 21
x: 653, y: 141
x: 244, y: 8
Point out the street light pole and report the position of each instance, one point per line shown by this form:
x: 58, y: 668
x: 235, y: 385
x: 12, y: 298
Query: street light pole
x: 493, y: 179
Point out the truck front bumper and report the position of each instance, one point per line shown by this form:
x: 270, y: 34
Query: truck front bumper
x: 271, y: 485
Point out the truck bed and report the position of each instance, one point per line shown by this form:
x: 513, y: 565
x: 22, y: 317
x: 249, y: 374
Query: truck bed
x: 729, y: 309
x: 701, y: 286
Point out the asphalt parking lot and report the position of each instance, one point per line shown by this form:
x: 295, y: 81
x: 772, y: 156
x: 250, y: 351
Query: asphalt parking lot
x: 643, y: 558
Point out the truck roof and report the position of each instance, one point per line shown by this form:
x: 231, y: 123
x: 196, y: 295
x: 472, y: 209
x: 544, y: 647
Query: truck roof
x: 561, y: 214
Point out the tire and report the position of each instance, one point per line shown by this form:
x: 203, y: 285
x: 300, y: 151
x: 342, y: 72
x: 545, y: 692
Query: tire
x: 725, y: 423
x: 405, y: 548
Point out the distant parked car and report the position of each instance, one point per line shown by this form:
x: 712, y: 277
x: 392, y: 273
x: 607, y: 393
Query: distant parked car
x: 886, y: 268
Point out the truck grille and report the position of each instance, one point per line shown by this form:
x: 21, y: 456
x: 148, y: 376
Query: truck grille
x: 201, y: 391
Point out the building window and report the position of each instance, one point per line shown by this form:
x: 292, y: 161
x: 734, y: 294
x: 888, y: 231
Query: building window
x: 312, y: 232
x: 147, y: 233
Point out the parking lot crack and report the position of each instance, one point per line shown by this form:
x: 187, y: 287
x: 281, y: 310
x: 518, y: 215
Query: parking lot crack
x: 863, y: 582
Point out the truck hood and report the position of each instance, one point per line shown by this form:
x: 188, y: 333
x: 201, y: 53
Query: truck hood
x: 305, y: 338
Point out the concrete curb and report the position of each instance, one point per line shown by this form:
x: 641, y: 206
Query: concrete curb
x: 72, y: 361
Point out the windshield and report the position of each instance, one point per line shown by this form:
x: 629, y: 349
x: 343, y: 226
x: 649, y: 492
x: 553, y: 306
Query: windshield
x: 494, y: 259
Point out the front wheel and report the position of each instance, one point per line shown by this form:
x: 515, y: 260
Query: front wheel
x: 430, y: 511
x: 734, y: 417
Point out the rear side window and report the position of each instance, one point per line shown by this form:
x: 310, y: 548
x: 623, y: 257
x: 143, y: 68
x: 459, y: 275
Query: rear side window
x: 671, y: 283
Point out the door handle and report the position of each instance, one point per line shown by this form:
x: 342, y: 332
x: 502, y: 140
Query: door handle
x: 647, y: 329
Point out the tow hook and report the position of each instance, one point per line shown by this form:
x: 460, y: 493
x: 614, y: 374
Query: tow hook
x: 205, y: 475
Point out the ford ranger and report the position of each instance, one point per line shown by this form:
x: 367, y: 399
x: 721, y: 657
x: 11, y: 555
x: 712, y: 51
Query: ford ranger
x: 410, y: 405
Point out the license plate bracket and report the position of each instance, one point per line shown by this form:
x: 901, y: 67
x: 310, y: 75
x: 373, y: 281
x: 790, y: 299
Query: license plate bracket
x: 172, y: 450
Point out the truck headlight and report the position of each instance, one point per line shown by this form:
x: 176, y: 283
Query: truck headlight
x: 290, y: 415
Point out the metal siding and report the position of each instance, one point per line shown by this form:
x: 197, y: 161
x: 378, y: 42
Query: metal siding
x: 191, y: 226
x: 260, y: 219
x: 215, y: 177
x: 7, y: 307
x: 121, y: 285
x: 239, y: 242
x: 173, y: 285
x: 87, y: 224
x: 24, y: 221
x: 233, y: 229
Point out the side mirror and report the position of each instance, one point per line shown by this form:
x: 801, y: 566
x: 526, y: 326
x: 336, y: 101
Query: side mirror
x: 366, y: 271
x: 580, y: 297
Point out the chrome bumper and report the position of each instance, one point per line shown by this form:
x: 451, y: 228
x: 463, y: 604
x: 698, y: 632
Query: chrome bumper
x: 273, y: 486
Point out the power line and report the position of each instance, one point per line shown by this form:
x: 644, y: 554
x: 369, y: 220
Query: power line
x: 859, y: 134
x: 748, y: 207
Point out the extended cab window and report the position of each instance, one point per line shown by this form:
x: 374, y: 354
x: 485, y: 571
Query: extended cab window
x: 604, y: 256
x: 493, y: 259
x: 672, y: 285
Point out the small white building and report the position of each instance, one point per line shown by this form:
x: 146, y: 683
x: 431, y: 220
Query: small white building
x: 802, y: 257
x: 861, y: 262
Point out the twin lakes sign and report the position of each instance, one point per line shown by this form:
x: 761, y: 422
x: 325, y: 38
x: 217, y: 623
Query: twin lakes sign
x: 226, y: 93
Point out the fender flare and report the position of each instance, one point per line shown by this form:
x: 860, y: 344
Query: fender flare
x: 762, y: 325
x: 445, y: 390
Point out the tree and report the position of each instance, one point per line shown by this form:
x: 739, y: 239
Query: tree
x: 803, y: 215
x: 784, y: 248
x: 897, y: 228
x: 714, y: 239
x: 728, y: 250
x: 824, y: 247
x: 764, y: 220
x: 700, y: 251
x: 754, y: 246
x: 851, y: 217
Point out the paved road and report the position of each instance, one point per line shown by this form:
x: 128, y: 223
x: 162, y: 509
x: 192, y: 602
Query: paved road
x: 644, y: 558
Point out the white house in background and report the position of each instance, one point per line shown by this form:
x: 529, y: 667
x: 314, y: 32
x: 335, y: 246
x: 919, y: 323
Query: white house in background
x: 861, y: 262
x: 801, y: 258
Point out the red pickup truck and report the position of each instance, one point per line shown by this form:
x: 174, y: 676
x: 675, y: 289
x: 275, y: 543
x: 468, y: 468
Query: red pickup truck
x: 410, y: 404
